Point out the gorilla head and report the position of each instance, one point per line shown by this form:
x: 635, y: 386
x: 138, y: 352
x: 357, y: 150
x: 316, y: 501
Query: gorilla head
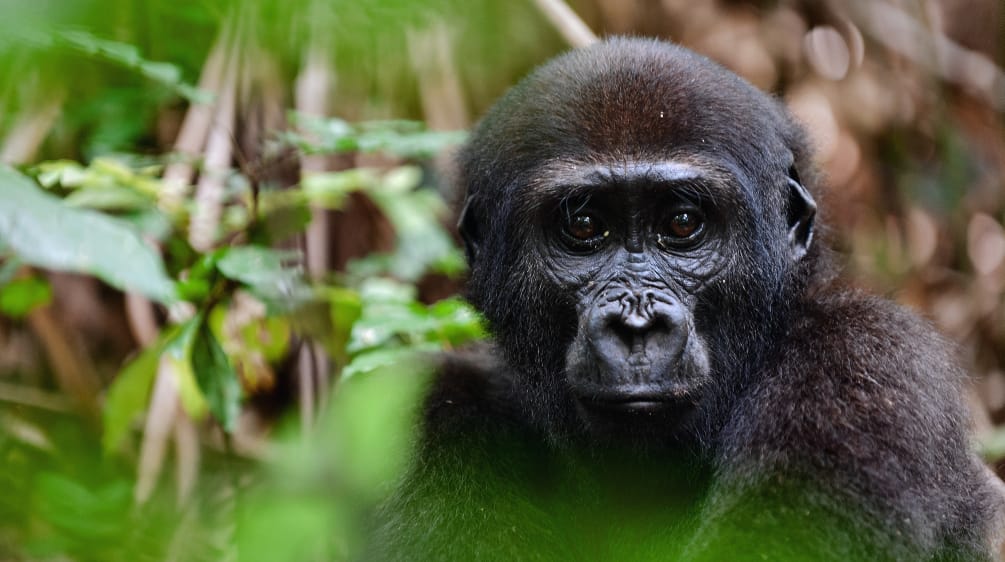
x: 634, y: 221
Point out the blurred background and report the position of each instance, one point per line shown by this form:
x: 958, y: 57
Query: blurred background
x: 226, y: 233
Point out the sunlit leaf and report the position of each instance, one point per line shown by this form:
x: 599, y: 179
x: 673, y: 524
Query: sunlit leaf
x: 457, y: 322
x: 43, y: 231
x: 67, y: 173
x: 108, y: 199
x: 21, y: 296
x: 329, y: 189
x: 272, y: 275
x: 392, y: 318
x: 372, y: 361
x: 408, y: 139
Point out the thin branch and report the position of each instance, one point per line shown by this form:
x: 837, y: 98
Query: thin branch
x: 210, y: 190
x: 30, y: 130
x: 186, y: 445
x: 25, y: 432
x: 142, y: 319
x: 308, y: 393
x: 440, y: 88
x: 313, y: 86
x: 160, y: 421
x: 569, y: 25
x: 194, y: 128
x: 34, y: 398
x: 74, y: 372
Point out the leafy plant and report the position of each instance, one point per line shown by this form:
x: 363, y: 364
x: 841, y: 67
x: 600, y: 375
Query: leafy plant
x: 233, y: 312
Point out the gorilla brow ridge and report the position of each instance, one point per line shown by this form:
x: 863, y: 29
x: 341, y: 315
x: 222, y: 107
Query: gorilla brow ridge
x: 568, y: 180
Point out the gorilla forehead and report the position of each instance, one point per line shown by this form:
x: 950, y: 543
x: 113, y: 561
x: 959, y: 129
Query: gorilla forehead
x: 629, y: 99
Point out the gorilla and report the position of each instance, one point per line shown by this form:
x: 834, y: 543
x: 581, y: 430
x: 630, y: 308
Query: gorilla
x: 676, y: 371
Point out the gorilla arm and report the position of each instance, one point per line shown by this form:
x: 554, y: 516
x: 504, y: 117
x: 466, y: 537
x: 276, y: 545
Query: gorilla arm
x: 852, y: 448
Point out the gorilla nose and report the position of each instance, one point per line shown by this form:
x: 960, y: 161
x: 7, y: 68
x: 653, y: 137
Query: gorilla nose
x: 647, y: 318
x: 637, y: 312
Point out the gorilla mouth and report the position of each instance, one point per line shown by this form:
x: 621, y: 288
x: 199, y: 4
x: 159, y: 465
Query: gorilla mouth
x: 640, y: 400
x: 629, y: 405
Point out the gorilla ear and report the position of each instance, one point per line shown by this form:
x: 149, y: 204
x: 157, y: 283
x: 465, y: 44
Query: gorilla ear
x: 469, y: 229
x: 801, y: 212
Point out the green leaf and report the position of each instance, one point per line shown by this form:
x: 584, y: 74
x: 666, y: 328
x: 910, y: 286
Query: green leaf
x: 43, y: 231
x: 409, y: 139
x: 417, y: 216
x: 373, y: 418
x: 110, y: 198
x: 67, y: 173
x: 280, y: 222
x: 21, y: 296
x: 379, y: 359
x: 392, y: 318
x: 272, y: 275
x: 179, y: 353
x: 129, y: 56
x: 345, y: 308
x: 129, y: 394
x: 457, y: 322
x: 216, y: 377
x: 329, y: 189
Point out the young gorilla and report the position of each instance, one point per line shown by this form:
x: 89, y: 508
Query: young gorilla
x: 675, y: 373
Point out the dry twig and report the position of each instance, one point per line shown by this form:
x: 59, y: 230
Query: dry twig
x: 568, y: 24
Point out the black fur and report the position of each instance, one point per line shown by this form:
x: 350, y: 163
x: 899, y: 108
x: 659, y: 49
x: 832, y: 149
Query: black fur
x: 652, y: 396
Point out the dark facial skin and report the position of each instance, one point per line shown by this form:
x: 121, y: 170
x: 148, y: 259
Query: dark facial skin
x: 634, y: 244
x: 676, y: 371
x: 638, y: 243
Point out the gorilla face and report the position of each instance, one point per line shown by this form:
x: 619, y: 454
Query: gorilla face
x: 628, y: 244
x: 644, y: 249
x: 634, y: 245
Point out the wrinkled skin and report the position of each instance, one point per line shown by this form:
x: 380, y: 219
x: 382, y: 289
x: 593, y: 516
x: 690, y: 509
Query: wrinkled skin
x: 675, y: 372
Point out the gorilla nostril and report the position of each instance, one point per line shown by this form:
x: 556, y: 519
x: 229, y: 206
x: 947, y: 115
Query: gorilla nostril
x: 633, y: 326
x: 637, y: 321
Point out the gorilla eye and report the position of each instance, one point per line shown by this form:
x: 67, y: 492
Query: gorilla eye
x: 685, y: 225
x: 583, y: 227
x: 583, y: 231
x: 684, y: 228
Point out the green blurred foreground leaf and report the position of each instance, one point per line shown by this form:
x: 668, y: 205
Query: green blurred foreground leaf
x: 43, y: 231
